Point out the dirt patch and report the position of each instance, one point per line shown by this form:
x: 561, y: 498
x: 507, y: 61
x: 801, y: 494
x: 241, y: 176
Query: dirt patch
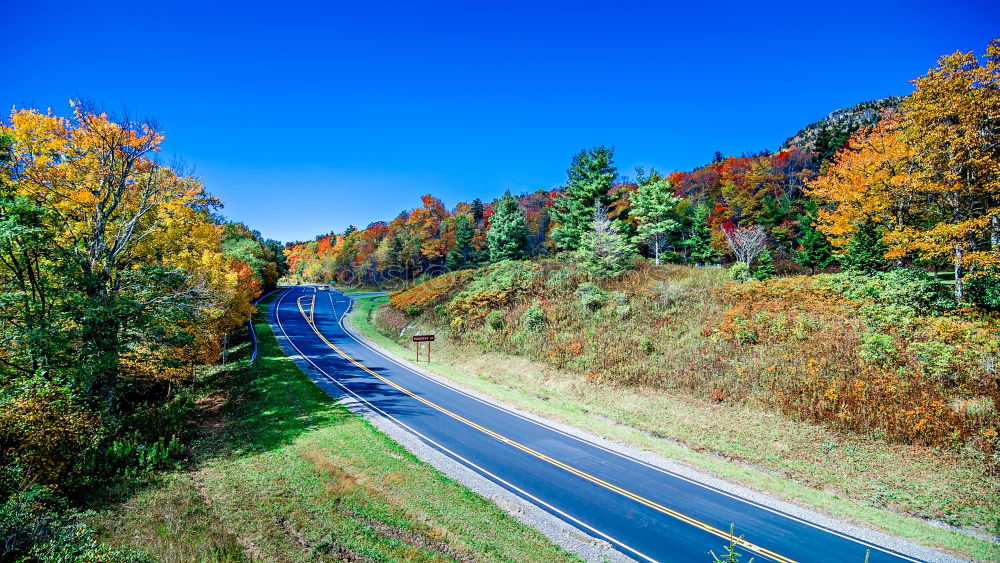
x: 209, y: 418
x: 411, y: 538
x: 339, y: 552
x: 343, y: 482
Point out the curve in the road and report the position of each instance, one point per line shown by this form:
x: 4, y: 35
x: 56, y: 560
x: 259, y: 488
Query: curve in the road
x: 659, y: 515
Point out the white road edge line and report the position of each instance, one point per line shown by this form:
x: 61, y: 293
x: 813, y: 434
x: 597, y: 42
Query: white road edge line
x: 444, y: 449
x: 776, y: 511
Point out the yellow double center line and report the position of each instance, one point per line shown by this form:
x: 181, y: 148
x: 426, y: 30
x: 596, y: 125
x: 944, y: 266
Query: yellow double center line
x: 501, y: 438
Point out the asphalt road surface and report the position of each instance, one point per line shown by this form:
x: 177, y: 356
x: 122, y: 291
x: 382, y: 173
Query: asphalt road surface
x: 643, y: 511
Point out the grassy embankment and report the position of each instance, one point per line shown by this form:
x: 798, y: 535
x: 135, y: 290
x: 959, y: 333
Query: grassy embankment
x: 558, y: 369
x: 280, y: 472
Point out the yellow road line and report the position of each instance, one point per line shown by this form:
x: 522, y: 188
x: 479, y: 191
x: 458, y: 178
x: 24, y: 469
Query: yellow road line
x: 596, y: 480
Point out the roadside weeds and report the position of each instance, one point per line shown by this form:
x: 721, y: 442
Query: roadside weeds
x: 799, y: 462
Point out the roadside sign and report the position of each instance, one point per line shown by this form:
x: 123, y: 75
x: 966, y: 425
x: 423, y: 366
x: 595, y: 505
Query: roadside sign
x: 428, y: 338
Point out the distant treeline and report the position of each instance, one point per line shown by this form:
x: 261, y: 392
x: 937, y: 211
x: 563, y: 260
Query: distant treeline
x: 893, y: 183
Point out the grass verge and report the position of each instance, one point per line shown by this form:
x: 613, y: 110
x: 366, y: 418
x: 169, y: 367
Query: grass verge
x: 856, y: 479
x: 281, y: 472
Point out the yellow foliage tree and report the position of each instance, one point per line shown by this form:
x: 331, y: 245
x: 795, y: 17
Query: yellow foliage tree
x: 870, y: 182
x: 930, y: 177
x: 952, y: 122
x: 134, y: 241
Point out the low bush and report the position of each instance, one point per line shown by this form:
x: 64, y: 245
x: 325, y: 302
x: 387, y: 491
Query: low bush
x: 591, y: 297
x: 533, y: 317
x: 984, y: 291
x: 421, y: 296
x: 495, y: 320
x: 130, y: 456
x: 36, y: 525
x: 916, y: 289
x: 740, y: 272
x: 47, y: 434
x: 494, y: 287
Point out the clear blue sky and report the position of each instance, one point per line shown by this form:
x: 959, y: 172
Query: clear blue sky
x: 304, y: 119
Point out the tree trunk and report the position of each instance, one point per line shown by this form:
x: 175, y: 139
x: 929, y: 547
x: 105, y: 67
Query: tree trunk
x: 995, y: 232
x: 656, y: 249
x: 959, y: 273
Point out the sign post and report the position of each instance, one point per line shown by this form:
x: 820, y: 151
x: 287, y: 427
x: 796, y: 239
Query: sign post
x: 428, y: 338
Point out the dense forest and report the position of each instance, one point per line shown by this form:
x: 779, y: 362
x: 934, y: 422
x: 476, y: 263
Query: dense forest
x: 894, y: 183
x: 119, y: 279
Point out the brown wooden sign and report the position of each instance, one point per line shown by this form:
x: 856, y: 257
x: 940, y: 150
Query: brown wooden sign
x: 428, y: 338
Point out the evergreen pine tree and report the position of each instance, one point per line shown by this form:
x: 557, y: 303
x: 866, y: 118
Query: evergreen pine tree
x: 653, y: 205
x: 866, y: 251
x: 814, y: 250
x: 699, y: 240
x: 589, y: 181
x: 604, y: 252
x: 822, y: 143
x: 477, y: 210
x: 459, y: 256
x: 507, y: 238
x: 765, y: 266
x: 772, y: 212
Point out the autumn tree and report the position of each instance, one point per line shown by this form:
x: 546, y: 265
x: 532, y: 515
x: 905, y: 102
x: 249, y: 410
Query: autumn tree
x: 114, y: 284
x: 588, y: 183
x: 120, y: 228
x: 952, y: 123
x: 868, y: 187
x: 746, y: 242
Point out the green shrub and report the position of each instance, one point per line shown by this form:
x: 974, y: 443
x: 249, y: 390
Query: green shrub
x: 130, y: 456
x: 36, y: 525
x: 877, y: 348
x: 495, y: 320
x: 506, y: 276
x: 533, y: 317
x: 936, y: 358
x: 916, y: 289
x: 561, y: 279
x: 493, y: 287
x: 622, y: 306
x: 413, y: 310
x: 765, y: 266
x: 746, y: 336
x: 878, y: 316
x: 984, y: 290
x: 591, y: 297
x: 740, y: 272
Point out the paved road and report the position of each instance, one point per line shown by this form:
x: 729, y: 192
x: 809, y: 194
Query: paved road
x: 645, y: 512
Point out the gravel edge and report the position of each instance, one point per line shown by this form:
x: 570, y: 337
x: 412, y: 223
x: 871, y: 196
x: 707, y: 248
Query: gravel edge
x: 570, y: 538
x: 814, y: 515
